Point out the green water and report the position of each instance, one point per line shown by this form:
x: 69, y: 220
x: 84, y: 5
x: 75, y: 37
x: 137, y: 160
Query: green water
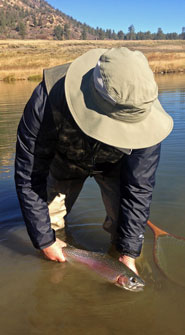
x: 41, y: 297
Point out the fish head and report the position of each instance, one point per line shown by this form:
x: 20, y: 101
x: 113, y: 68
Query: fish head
x: 132, y: 283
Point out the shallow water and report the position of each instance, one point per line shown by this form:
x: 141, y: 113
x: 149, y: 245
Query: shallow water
x: 41, y: 297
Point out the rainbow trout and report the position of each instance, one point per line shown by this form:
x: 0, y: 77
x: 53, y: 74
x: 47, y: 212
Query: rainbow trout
x: 106, y: 266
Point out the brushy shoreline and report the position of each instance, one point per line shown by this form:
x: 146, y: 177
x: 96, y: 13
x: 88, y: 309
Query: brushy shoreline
x: 26, y: 59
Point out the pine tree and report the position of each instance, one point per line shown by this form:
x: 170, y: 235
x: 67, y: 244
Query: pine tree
x: 121, y: 35
x: 58, y: 32
x: 22, y: 29
x: 84, y: 34
x: 131, y: 33
x: 160, y: 35
x: 66, y: 31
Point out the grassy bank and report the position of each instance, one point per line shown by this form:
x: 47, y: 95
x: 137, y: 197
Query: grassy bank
x: 25, y: 59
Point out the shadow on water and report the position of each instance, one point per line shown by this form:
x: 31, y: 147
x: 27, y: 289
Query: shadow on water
x: 18, y: 244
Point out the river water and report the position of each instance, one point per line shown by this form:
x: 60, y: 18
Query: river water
x: 41, y: 297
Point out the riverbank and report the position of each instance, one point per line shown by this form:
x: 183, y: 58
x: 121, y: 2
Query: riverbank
x: 26, y: 59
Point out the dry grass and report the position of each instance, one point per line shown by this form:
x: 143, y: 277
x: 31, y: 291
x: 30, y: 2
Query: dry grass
x: 25, y: 59
x: 167, y: 62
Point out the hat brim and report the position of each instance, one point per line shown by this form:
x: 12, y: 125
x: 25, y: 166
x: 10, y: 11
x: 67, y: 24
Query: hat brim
x: 95, y: 123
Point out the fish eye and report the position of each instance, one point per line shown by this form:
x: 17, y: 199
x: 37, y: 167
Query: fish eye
x: 133, y: 280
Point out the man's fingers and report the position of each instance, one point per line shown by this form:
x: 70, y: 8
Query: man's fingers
x: 61, y: 243
x: 61, y: 259
x: 54, y: 251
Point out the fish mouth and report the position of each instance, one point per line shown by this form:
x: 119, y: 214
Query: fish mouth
x: 134, y: 288
x: 134, y: 284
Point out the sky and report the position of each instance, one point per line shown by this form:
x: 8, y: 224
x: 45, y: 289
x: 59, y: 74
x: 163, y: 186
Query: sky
x: 120, y: 14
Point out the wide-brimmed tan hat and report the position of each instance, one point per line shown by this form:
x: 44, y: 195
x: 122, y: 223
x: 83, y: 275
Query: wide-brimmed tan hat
x: 113, y: 97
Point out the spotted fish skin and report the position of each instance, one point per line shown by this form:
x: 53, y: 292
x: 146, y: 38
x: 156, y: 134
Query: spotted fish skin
x: 109, y: 268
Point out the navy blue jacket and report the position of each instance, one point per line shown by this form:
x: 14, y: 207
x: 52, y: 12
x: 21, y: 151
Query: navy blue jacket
x: 32, y: 168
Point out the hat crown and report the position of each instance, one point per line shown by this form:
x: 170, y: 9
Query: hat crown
x: 127, y: 77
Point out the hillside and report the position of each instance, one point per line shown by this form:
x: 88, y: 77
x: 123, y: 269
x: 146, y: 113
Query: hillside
x: 36, y: 19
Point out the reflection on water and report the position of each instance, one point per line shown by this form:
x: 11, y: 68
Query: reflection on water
x: 41, y: 297
x: 169, y: 195
x: 169, y: 250
x: 12, y: 100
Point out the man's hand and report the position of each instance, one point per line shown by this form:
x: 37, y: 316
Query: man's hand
x: 54, y: 251
x: 129, y: 262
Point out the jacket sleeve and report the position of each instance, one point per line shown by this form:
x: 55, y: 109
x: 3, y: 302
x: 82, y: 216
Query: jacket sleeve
x: 35, y: 148
x: 137, y: 183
